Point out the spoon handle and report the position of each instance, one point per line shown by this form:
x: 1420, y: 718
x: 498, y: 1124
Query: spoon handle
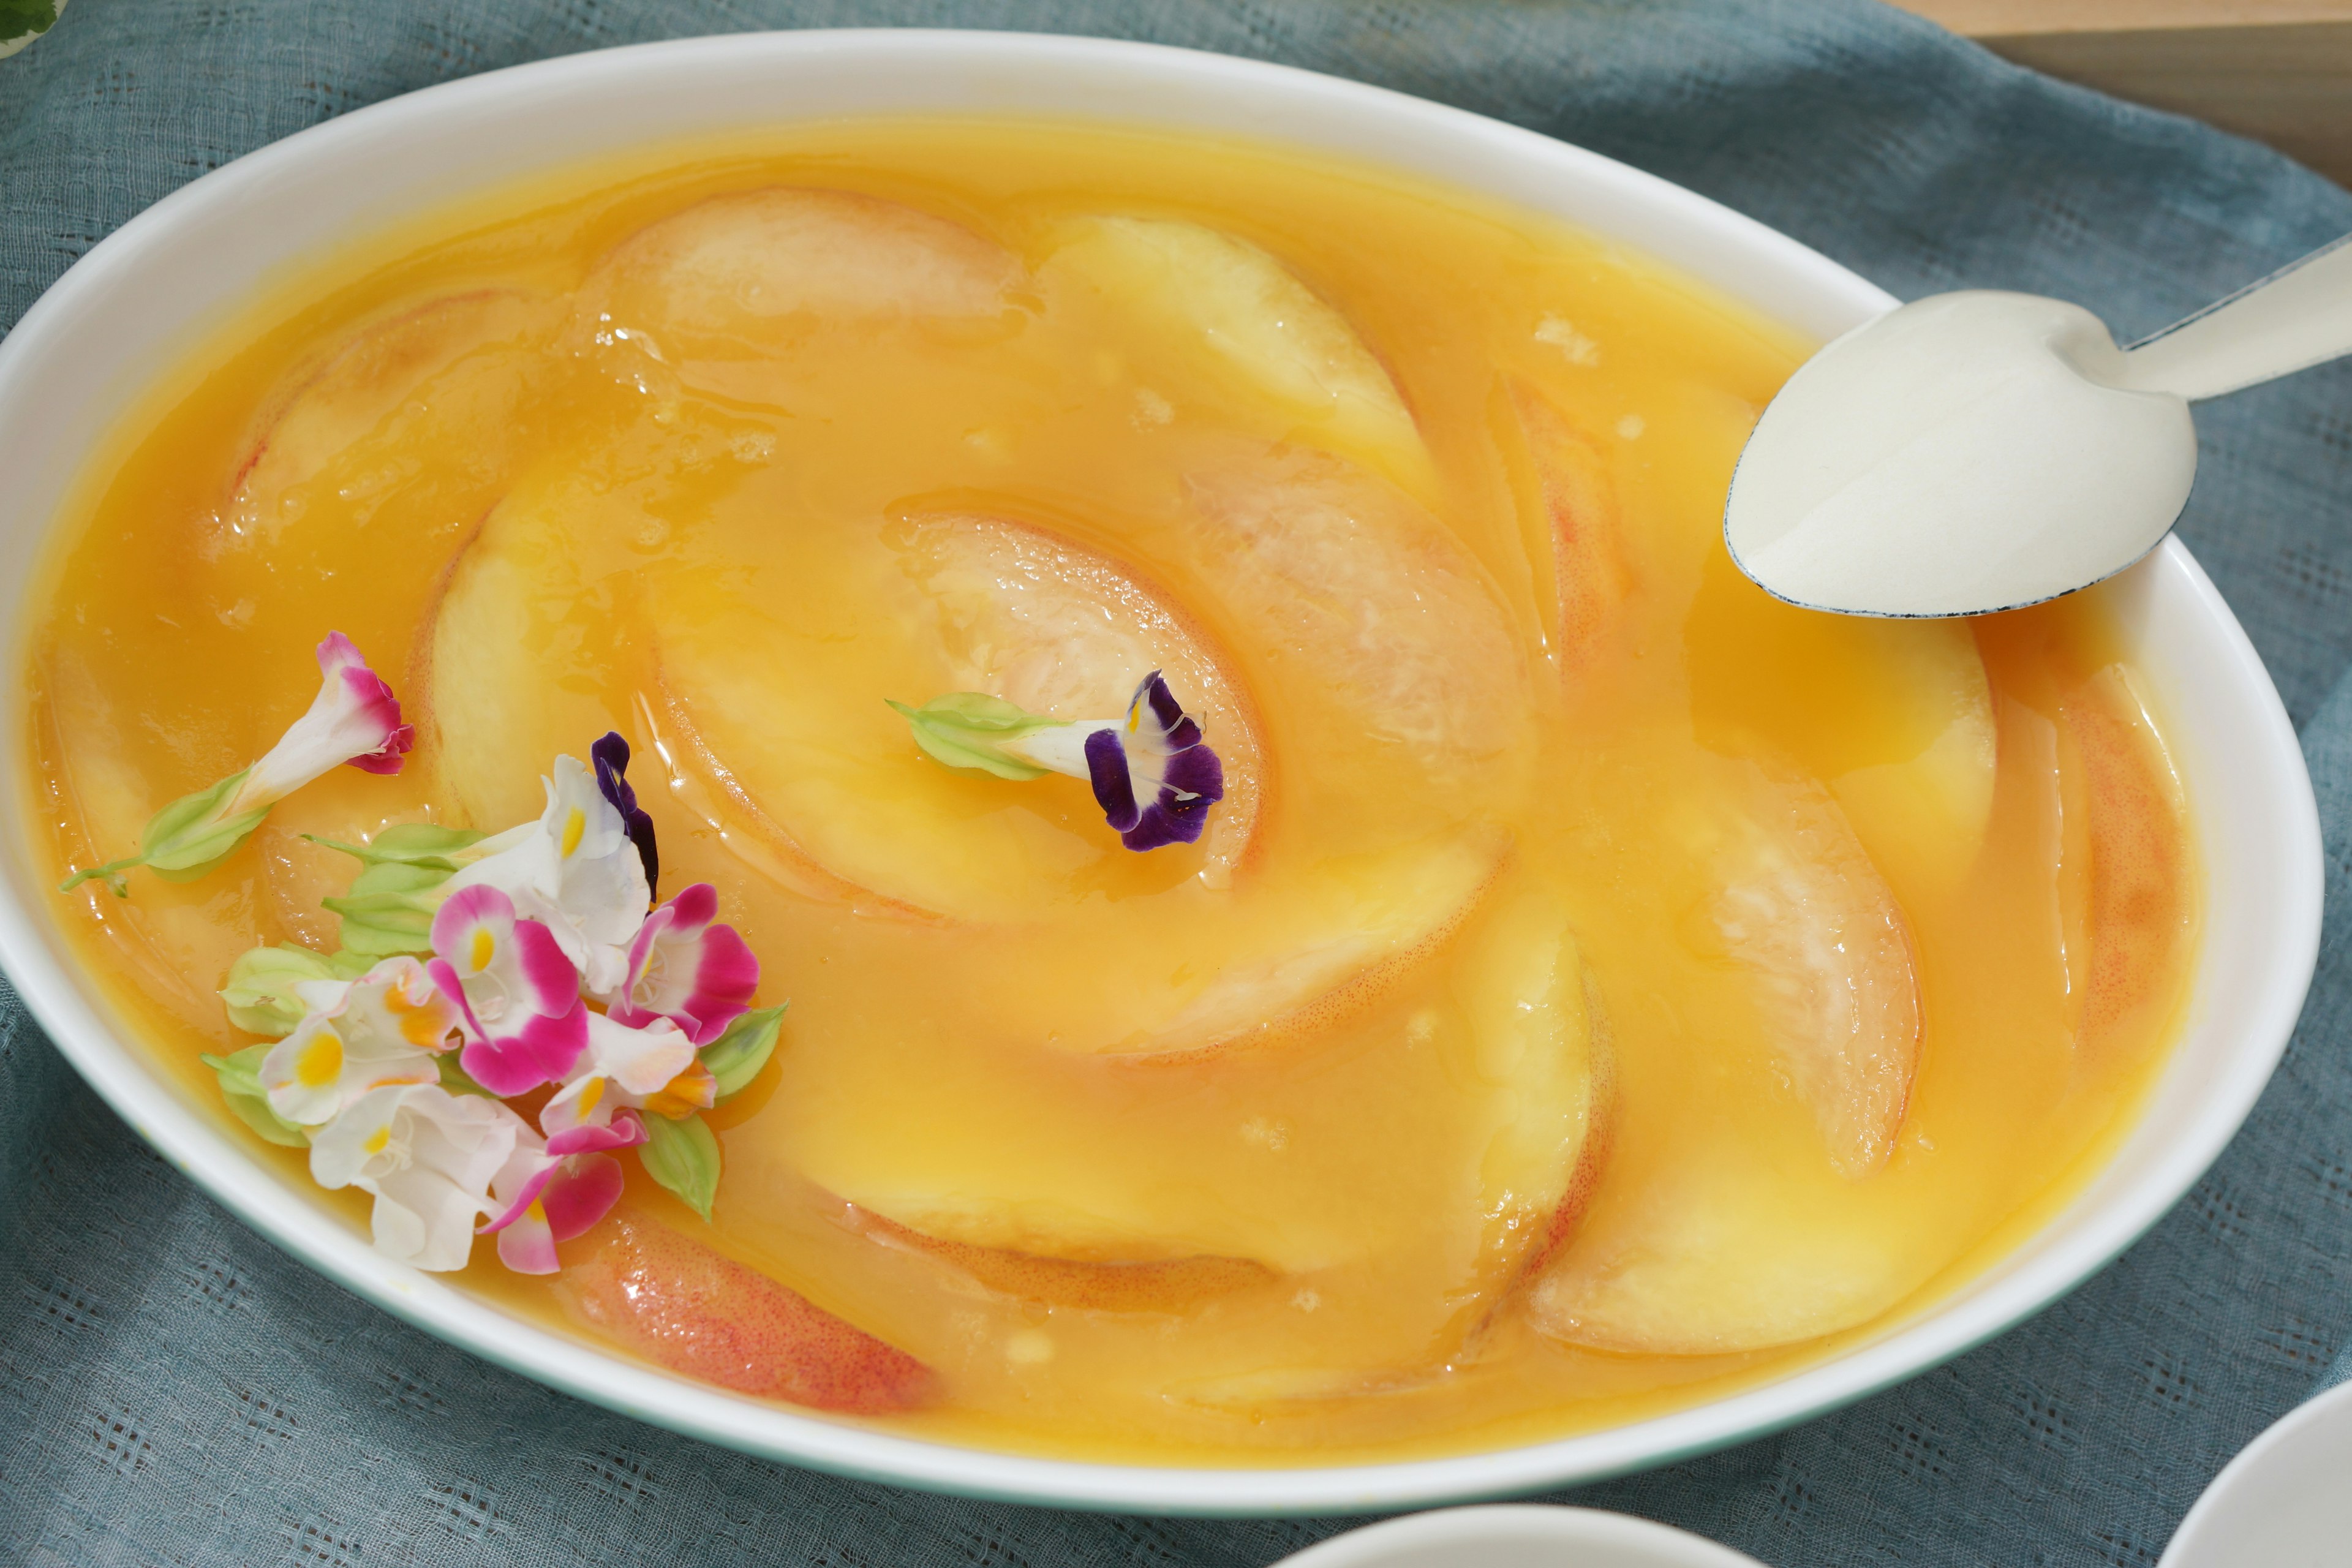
x: 2297, y: 317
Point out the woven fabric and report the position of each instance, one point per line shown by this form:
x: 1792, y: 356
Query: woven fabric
x: 175, y: 1391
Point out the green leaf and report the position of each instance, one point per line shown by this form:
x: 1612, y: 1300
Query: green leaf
x: 183, y: 840
x: 386, y: 922
x: 965, y: 729
x: 684, y: 1157
x: 240, y: 1084
x: 736, y: 1057
x: 22, y: 18
x: 409, y: 844
x: 189, y: 836
x: 260, y: 989
x: 456, y: 1078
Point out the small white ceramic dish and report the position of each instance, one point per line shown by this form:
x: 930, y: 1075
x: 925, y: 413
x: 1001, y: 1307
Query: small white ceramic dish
x: 1526, y: 1536
x: 2283, y: 1502
x: 85, y: 350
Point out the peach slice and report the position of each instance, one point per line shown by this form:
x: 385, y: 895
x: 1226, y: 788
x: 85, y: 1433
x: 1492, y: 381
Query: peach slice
x: 1579, y: 574
x: 1894, y: 716
x: 1174, y: 1285
x: 1098, y: 1161
x: 1251, y: 315
x: 689, y: 1307
x: 2141, y: 898
x: 734, y: 269
x: 1798, y: 904
x: 990, y: 604
x: 371, y: 380
x: 508, y: 658
x: 1386, y: 633
x: 1704, y: 1259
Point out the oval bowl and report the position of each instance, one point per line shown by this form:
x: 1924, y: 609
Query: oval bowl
x: 84, y: 351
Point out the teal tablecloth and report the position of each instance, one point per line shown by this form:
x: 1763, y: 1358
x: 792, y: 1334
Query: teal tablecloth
x: 172, y: 1390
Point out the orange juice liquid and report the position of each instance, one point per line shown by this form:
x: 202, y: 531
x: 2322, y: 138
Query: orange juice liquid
x: 1601, y: 987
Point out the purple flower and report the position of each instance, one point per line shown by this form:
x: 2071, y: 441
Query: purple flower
x: 610, y: 756
x: 1151, y: 775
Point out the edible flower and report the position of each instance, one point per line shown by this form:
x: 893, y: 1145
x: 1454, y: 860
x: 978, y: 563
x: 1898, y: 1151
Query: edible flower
x: 354, y: 719
x: 1153, y: 774
x: 519, y: 995
x: 611, y: 757
x: 698, y: 974
x: 555, y: 1191
x: 654, y: 1067
x: 387, y: 1026
x: 428, y: 1156
x: 576, y: 870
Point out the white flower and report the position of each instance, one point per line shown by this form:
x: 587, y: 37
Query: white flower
x: 577, y: 871
x: 651, y: 1067
x: 428, y: 1157
x: 356, y: 1035
x: 354, y: 720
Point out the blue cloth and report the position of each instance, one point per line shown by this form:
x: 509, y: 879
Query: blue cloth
x: 176, y: 1391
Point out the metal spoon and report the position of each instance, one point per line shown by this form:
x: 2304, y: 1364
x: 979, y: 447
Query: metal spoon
x: 1978, y: 451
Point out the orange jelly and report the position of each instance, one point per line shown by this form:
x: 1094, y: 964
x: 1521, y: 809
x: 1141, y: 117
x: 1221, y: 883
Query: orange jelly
x: 1601, y: 986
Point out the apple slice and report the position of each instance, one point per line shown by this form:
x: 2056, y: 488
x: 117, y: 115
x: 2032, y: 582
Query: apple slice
x: 1251, y: 315
x: 1800, y: 905
x: 369, y: 381
x: 689, y: 1307
x: 731, y: 271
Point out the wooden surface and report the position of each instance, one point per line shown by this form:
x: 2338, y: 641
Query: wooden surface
x: 2278, y: 71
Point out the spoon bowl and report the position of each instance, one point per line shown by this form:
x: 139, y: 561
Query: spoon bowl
x: 1965, y: 453
x: 1978, y: 451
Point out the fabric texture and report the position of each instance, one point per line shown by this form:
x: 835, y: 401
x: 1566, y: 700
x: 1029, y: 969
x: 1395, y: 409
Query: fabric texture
x: 176, y: 1391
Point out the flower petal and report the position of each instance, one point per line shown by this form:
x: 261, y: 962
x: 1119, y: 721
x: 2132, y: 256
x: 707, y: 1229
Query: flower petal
x: 611, y: 757
x: 354, y: 718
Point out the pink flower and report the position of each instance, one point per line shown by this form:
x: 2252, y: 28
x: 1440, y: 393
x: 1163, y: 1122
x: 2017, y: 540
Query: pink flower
x: 555, y: 1192
x: 354, y: 718
x: 699, y: 975
x: 651, y: 1067
x: 525, y: 1024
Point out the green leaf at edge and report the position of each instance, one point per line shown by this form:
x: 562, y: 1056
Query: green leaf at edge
x: 408, y: 844
x: 736, y: 1057
x: 239, y: 1073
x: 683, y: 1156
x: 259, y: 991
x: 961, y: 728
x: 382, y: 924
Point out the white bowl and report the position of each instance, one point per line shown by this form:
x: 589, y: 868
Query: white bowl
x: 123, y: 310
x: 1525, y: 1536
x: 2283, y: 1500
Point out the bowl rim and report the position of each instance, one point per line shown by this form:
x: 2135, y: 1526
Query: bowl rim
x: 1152, y: 85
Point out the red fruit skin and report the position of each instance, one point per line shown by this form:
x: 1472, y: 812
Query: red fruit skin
x: 691, y: 1308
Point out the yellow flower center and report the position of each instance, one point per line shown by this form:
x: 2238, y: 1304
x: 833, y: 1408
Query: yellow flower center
x: 590, y: 1095
x: 485, y: 948
x: 420, y: 1022
x: 378, y: 1141
x: 574, y: 827
x: 321, y: 1062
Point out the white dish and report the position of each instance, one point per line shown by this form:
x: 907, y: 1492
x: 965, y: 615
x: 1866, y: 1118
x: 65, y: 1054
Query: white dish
x: 2282, y: 1502
x: 1520, y: 1537
x: 88, y: 346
